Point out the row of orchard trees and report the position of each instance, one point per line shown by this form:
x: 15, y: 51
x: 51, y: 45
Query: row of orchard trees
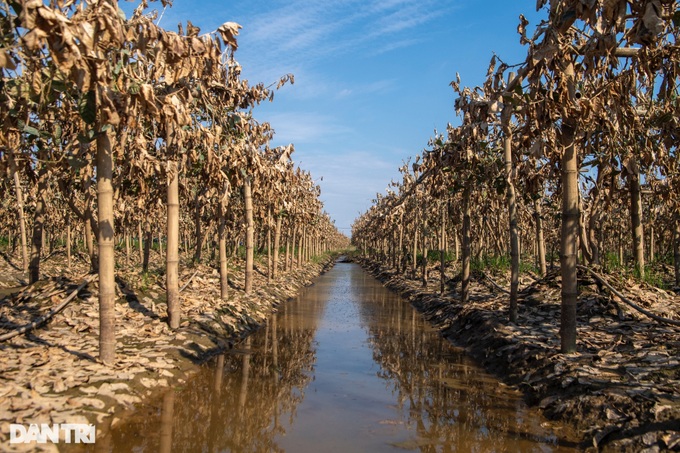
x: 116, y: 124
x: 577, y: 144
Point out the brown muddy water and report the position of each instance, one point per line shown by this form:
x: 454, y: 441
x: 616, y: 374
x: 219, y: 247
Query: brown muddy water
x: 348, y: 366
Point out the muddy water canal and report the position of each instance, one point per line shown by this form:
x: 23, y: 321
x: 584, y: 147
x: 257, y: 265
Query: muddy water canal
x: 348, y: 366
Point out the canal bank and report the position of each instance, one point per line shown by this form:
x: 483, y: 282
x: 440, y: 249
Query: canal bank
x: 620, y: 392
x: 347, y: 365
x: 51, y: 375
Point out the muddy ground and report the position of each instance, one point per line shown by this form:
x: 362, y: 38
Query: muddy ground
x: 52, y: 374
x: 620, y: 391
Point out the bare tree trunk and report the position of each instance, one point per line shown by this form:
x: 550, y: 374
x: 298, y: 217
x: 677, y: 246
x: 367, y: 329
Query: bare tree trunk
x: 89, y: 221
x: 540, y: 241
x: 277, y: 244
x: 636, y: 221
x: 401, y: 262
x: 652, y: 243
x: 222, y: 231
x: 414, y: 255
x: 676, y: 248
x: 68, y: 242
x: 147, y: 247
x: 465, y: 271
x: 569, y: 241
x: 127, y: 248
x: 288, y: 236
x: 20, y: 209
x: 442, y: 250
x: 198, y: 232
x: 140, y: 242
x: 105, y: 241
x: 293, y: 245
x: 512, y: 212
x: 172, y: 257
x: 270, y: 272
x: 38, y: 226
x: 247, y: 194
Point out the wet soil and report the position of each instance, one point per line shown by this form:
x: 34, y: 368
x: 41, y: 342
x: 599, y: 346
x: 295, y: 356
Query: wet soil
x: 52, y: 374
x: 620, y: 391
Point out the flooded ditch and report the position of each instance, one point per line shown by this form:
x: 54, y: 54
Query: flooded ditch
x: 347, y: 366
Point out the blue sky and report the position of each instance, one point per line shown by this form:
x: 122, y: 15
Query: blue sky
x: 371, y: 77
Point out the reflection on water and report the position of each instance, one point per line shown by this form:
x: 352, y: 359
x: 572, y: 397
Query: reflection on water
x: 348, y: 366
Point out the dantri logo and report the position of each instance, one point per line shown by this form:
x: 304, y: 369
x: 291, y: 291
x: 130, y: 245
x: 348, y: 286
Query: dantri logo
x: 78, y: 433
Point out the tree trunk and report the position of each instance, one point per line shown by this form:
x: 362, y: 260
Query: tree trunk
x: 89, y: 221
x: 68, y: 242
x: 652, y: 243
x: 442, y: 250
x: 676, y: 249
x: 247, y: 194
x: 148, y: 239
x: 20, y: 209
x: 222, y: 232
x: 127, y: 248
x: 512, y: 212
x: 400, y: 262
x: 293, y: 251
x: 277, y: 242
x: 198, y: 232
x: 288, y: 238
x: 465, y: 271
x: 105, y: 241
x: 270, y: 272
x: 636, y: 221
x: 38, y: 226
x: 569, y: 240
x: 172, y: 255
x: 140, y: 242
x: 540, y: 241
x: 414, y: 255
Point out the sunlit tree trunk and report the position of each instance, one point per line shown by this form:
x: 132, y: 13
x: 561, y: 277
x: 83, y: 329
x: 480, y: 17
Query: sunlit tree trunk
x: 172, y: 255
x: 68, y: 242
x: 414, y: 255
x: 105, y: 241
x: 442, y: 250
x: 467, y: 252
x: 400, y: 263
x: 140, y: 243
x: 270, y: 272
x: 569, y: 240
x: 127, y: 248
x: 636, y: 221
x: 293, y: 245
x: 540, y: 241
x: 198, y: 231
x: 287, y: 258
x: 20, y: 209
x: 423, y: 276
x: 247, y: 195
x: 277, y: 245
x: 222, y: 233
x: 89, y: 220
x: 652, y: 242
x: 512, y: 212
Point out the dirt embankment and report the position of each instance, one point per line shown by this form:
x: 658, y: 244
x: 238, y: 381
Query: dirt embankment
x: 620, y: 391
x: 52, y: 374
